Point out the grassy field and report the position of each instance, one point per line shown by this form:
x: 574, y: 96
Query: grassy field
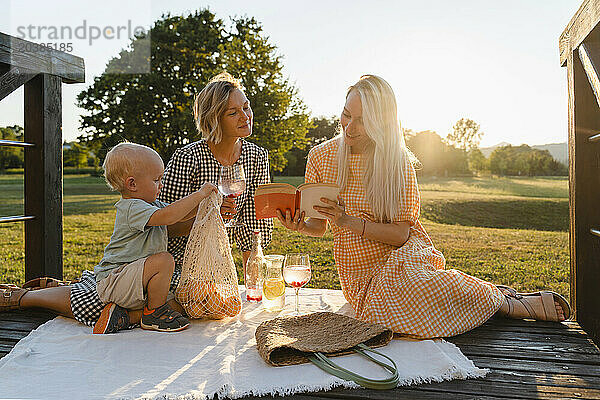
x: 507, y: 230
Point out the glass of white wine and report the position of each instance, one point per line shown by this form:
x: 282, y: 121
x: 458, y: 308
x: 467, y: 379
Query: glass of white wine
x: 232, y: 183
x: 296, y: 273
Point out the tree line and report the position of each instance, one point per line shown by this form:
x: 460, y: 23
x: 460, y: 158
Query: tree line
x: 437, y: 156
x: 457, y: 154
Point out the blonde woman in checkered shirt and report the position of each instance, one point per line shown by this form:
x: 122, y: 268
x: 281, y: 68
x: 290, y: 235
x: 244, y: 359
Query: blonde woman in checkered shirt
x: 224, y: 118
x: 389, y: 270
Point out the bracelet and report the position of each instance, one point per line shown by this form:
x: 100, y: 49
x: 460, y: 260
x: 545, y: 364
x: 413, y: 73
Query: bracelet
x: 363, y: 229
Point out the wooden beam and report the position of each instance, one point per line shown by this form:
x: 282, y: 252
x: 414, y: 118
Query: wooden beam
x: 590, y: 71
x: 582, y: 23
x: 39, y: 59
x: 13, y: 79
x: 43, y: 177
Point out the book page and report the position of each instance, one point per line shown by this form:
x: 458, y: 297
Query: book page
x: 310, y: 195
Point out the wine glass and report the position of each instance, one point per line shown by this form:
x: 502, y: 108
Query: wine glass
x: 232, y: 183
x: 296, y: 272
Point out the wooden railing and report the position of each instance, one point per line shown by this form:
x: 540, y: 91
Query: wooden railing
x: 42, y: 70
x: 579, y: 47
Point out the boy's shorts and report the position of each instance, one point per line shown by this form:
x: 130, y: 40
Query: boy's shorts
x: 124, y: 286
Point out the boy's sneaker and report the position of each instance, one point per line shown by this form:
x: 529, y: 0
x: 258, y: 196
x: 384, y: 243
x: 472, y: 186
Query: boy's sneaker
x: 112, y: 319
x: 164, y: 319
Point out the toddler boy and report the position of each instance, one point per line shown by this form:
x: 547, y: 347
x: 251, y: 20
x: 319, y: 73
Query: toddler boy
x: 135, y: 271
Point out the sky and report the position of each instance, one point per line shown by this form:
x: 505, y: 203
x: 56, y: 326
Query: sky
x: 494, y: 62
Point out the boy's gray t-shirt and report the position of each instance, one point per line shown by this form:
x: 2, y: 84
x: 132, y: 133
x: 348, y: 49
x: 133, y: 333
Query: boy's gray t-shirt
x: 131, y: 238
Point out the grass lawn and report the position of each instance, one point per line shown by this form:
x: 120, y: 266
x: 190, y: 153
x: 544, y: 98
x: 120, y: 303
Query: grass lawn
x: 507, y: 230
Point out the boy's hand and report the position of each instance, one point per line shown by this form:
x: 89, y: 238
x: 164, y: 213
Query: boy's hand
x: 207, y: 189
x: 183, y: 209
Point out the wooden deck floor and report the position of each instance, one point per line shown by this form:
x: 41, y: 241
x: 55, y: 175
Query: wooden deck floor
x: 528, y: 360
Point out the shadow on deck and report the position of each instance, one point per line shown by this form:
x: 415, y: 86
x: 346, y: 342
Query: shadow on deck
x: 528, y: 360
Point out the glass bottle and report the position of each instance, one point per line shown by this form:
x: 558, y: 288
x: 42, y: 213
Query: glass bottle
x: 253, y: 270
x: 273, y: 287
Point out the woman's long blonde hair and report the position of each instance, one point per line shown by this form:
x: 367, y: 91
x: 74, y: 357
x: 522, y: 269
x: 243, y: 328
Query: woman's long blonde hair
x: 387, y: 155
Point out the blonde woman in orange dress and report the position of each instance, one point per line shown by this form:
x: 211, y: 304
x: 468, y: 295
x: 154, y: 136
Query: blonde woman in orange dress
x: 390, y: 271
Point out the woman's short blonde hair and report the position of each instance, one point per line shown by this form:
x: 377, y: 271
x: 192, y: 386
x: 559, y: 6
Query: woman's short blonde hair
x: 121, y: 162
x: 211, y: 103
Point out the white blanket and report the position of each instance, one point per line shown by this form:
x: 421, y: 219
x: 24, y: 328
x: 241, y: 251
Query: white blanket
x: 63, y: 360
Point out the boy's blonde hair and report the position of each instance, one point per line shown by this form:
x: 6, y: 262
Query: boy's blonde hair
x: 211, y: 103
x: 121, y: 162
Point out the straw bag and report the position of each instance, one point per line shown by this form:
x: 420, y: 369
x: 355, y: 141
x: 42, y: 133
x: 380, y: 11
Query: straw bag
x: 315, y: 337
x: 208, y: 286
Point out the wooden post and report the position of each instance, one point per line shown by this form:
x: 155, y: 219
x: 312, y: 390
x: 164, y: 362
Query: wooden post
x: 584, y: 172
x: 43, y: 177
x: 42, y: 70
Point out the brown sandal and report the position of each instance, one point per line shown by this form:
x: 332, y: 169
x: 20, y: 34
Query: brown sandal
x: 9, y: 286
x: 547, y: 311
x: 10, y: 297
x: 43, y: 283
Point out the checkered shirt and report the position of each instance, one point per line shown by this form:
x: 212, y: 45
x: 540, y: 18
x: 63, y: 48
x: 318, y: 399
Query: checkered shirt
x: 404, y: 288
x: 193, y: 165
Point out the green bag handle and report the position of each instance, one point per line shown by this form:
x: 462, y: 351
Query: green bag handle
x: 323, y: 362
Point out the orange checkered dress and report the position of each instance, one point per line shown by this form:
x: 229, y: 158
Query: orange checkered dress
x: 406, y: 289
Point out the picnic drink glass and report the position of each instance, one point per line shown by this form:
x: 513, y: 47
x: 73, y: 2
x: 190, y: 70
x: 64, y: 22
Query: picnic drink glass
x: 232, y: 183
x: 296, y: 272
x: 273, y: 287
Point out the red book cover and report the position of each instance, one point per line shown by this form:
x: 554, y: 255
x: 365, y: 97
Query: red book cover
x: 271, y: 197
x: 267, y: 204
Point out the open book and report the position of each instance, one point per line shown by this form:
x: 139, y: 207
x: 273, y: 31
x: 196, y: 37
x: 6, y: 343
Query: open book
x: 270, y: 197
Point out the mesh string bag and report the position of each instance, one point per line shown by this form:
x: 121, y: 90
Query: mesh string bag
x: 208, y: 287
